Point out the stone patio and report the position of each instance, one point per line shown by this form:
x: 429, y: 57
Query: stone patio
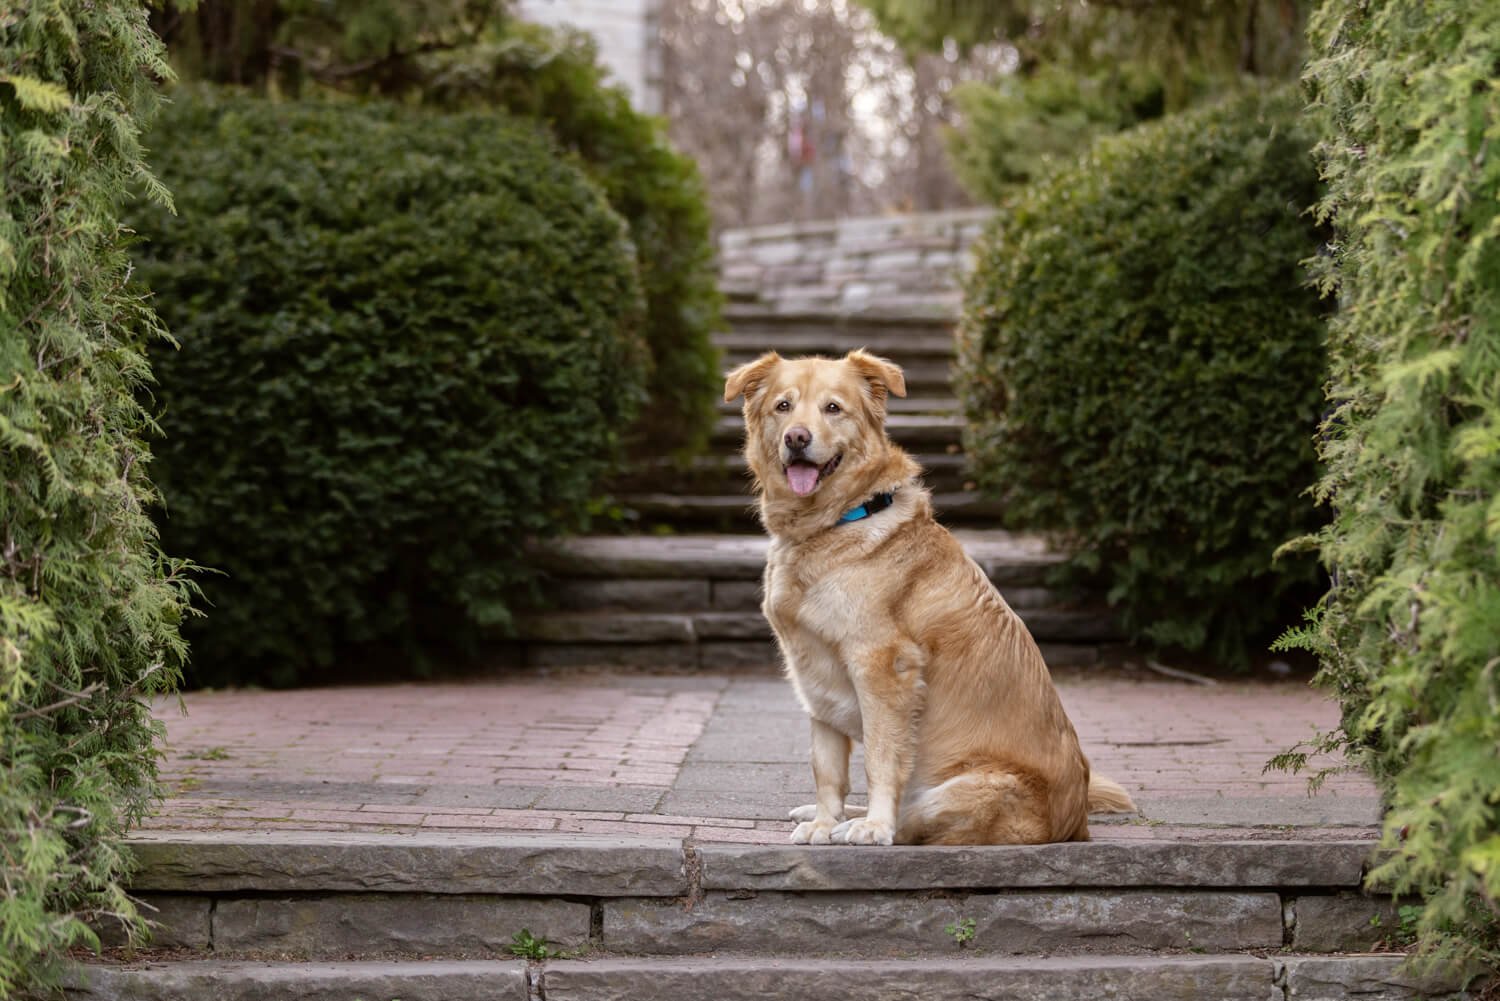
x: 712, y: 757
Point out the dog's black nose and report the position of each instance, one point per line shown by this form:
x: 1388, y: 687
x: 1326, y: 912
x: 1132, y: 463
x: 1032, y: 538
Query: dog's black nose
x: 798, y: 438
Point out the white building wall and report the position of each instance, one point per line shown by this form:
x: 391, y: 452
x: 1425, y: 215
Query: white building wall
x: 628, y: 33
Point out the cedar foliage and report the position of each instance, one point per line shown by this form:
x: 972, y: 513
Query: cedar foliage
x: 1140, y: 361
x: 1407, y: 96
x: 409, y: 343
x: 89, y: 607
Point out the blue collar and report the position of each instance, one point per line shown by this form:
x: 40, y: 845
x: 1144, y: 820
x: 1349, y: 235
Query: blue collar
x: 874, y: 505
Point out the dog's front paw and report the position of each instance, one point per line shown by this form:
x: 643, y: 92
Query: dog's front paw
x: 810, y: 810
x: 864, y: 832
x: 812, y: 832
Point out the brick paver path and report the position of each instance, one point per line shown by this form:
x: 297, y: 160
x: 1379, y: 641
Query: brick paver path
x: 715, y: 757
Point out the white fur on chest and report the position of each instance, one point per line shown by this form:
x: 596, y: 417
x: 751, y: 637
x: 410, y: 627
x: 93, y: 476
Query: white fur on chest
x: 815, y: 629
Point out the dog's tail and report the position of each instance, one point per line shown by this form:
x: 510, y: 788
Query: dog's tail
x: 1108, y: 796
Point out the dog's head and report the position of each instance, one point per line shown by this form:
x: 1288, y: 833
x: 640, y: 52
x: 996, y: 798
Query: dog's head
x: 814, y: 422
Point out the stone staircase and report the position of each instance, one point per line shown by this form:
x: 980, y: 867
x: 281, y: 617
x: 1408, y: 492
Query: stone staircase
x: 887, y: 284
x: 429, y: 917
x: 715, y: 492
x: 684, y: 592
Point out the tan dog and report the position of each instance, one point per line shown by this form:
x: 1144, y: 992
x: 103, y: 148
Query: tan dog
x: 893, y: 636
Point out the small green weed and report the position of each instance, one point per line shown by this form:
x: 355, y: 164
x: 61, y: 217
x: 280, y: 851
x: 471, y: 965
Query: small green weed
x: 528, y: 946
x: 962, y: 930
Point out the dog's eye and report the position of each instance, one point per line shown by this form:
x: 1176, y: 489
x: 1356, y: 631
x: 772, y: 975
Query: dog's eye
x: 783, y: 405
x: 832, y: 408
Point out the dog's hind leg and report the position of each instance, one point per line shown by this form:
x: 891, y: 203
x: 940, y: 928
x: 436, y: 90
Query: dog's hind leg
x: 984, y: 806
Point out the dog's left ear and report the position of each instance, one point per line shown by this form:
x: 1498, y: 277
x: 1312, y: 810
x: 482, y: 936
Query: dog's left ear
x: 883, y: 376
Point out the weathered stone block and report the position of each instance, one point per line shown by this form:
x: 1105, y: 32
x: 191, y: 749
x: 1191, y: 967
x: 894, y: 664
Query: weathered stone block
x: 314, y: 861
x: 640, y: 595
x: 731, y: 626
x: 1085, y: 864
x: 606, y: 627
x: 724, y: 654
x: 374, y: 924
x: 1366, y: 978
x: 1346, y: 922
x: 736, y: 595
x: 905, y: 923
x: 177, y: 922
x: 440, y: 980
x: 1063, y: 978
x: 646, y: 655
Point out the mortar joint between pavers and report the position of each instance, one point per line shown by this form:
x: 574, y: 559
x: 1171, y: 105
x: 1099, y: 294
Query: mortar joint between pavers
x: 1288, y: 921
x: 536, y: 986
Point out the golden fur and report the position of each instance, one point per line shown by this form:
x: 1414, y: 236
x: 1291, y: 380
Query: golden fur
x: 893, y: 636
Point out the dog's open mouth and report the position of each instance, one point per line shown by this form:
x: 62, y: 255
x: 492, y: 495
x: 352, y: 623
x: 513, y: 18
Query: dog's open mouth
x: 804, y: 476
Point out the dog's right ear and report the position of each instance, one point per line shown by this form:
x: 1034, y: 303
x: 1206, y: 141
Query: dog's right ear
x: 751, y: 377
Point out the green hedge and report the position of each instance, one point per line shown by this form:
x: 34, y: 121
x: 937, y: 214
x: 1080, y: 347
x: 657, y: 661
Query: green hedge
x: 1141, y: 362
x: 1405, y: 95
x: 555, y: 77
x: 409, y: 342
x: 89, y: 608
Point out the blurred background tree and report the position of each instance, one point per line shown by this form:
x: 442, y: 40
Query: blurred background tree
x: 1075, y: 71
x: 799, y: 109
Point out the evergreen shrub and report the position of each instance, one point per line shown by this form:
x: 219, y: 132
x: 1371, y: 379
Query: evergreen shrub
x: 554, y: 76
x: 1140, y: 361
x: 409, y: 342
x: 89, y: 607
x: 1406, y: 99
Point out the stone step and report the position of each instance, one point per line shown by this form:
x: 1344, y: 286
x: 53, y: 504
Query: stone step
x: 727, y: 474
x: 956, y: 977
x: 924, y: 376
x: 824, y: 305
x: 693, y: 595
x: 934, y: 404
x: 311, y: 895
x: 737, y: 512
x: 914, y: 432
x: 1010, y: 559
x: 793, y: 336
x: 1066, y: 625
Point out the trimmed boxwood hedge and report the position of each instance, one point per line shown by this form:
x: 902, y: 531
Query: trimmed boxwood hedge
x: 409, y: 342
x: 554, y: 76
x: 1141, y: 363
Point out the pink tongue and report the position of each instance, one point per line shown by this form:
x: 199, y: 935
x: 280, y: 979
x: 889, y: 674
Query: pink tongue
x: 803, y: 478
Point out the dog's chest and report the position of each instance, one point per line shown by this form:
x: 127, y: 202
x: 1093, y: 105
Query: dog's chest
x: 814, y: 625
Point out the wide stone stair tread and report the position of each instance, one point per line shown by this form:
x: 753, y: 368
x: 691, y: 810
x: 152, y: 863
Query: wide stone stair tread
x: 907, y: 307
x: 925, y: 375
x: 1045, y: 624
x: 935, y: 405
x: 958, y: 977
x: 913, y: 431
x: 790, y: 336
x: 739, y: 510
x: 961, y: 978
x: 1007, y: 557
x: 942, y: 471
